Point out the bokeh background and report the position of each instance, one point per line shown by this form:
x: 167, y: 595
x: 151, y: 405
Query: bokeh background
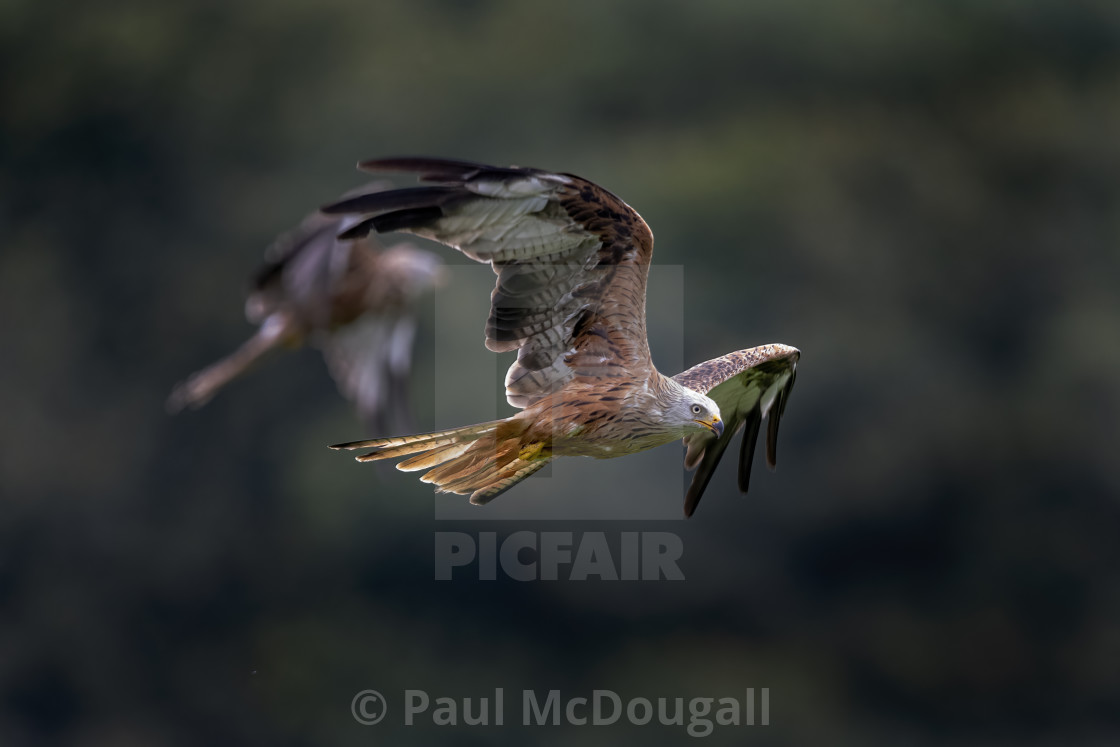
x: 922, y: 196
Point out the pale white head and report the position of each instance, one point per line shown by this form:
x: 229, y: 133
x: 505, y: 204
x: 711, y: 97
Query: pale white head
x: 693, y: 411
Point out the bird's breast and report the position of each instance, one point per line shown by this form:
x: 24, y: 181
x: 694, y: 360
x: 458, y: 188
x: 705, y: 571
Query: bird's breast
x: 602, y: 422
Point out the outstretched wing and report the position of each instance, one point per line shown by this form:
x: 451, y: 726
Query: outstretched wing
x: 571, y: 260
x: 749, y: 386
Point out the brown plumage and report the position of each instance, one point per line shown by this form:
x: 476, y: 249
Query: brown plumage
x: 351, y: 298
x: 572, y: 261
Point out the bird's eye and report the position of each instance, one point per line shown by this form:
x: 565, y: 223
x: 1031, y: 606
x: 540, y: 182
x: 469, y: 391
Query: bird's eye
x: 697, y: 409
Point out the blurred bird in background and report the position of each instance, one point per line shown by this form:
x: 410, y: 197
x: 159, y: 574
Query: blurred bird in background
x: 351, y: 298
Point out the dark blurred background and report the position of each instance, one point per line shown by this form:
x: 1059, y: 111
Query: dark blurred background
x: 922, y: 196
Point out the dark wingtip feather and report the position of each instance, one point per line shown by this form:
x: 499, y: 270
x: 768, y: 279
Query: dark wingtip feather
x: 776, y: 411
x: 746, y: 448
x: 399, y: 209
x: 712, y: 454
x: 439, y: 169
x: 350, y: 445
x: 430, y: 169
x: 775, y: 417
x: 419, y: 163
x: 696, y: 488
x: 406, y: 219
x: 366, y: 203
x: 692, y: 500
x: 390, y: 200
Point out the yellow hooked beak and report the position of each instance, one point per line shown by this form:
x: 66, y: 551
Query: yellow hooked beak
x: 714, y: 424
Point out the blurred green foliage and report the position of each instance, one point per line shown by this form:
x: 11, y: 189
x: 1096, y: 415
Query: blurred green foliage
x: 922, y: 196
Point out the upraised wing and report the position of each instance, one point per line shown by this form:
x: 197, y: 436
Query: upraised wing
x: 301, y: 270
x: 749, y: 386
x: 571, y: 260
x: 317, y: 279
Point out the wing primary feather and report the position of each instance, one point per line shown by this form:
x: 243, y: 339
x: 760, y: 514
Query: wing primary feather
x: 436, y: 169
x: 712, y: 454
x: 406, y: 219
x: 746, y: 448
x: 387, y: 201
x: 788, y: 390
x: 776, y: 413
x: 773, y: 420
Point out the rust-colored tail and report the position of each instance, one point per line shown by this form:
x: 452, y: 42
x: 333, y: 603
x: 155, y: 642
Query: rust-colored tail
x: 483, y: 460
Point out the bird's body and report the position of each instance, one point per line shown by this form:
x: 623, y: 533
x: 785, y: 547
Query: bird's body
x: 351, y: 298
x: 582, y: 419
x: 572, y: 261
x: 592, y: 421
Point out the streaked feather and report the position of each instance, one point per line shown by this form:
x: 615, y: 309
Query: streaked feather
x: 388, y: 448
x: 505, y: 481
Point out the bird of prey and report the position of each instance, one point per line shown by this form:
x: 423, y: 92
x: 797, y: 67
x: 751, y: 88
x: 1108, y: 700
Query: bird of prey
x: 349, y: 297
x: 571, y: 260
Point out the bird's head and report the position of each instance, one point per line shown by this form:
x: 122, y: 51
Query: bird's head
x: 696, y: 411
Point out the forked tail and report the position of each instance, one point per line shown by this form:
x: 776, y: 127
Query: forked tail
x: 483, y: 460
